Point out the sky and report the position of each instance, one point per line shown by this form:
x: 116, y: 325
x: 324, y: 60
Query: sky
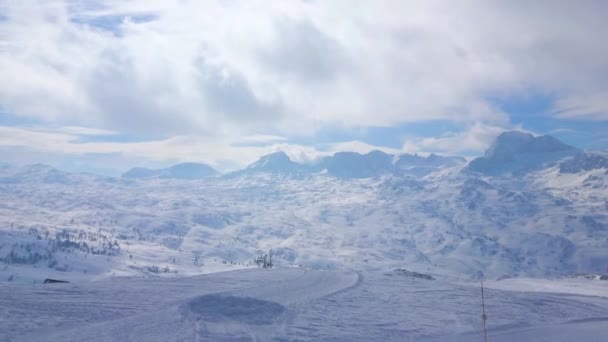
x: 103, y: 86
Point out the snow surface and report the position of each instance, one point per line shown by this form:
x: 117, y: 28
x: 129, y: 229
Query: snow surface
x: 298, y: 304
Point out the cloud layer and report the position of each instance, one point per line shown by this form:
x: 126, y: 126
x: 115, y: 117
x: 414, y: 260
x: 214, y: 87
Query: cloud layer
x: 221, y: 70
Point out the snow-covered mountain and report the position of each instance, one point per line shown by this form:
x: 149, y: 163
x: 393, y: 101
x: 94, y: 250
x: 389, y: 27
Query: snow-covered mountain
x: 516, y: 152
x: 584, y: 161
x: 278, y: 163
x: 420, y: 166
x: 179, y: 171
x: 531, y: 206
x: 355, y: 165
x: 349, y: 165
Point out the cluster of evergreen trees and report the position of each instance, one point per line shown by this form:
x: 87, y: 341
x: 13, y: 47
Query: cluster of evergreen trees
x: 45, y: 247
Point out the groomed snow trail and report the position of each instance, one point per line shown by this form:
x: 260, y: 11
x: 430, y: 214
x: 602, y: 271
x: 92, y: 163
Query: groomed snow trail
x: 249, y: 304
x: 290, y: 304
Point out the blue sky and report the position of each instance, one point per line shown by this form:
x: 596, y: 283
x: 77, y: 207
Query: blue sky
x: 104, y: 86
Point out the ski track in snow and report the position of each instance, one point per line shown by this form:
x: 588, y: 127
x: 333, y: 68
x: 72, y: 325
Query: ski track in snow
x: 291, y: 304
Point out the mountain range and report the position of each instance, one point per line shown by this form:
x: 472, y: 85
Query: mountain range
x: 512, y: 152
x: 531, y: 205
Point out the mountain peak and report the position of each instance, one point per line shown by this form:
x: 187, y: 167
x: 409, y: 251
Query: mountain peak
x: 507, y: 142
x: 511, y: 143
x: 272, y: 158
x: 277, y: 162
x: 417, y: 165
x: 356, y: 165
x: 516, y: 151
x: 189, y: 171
x: 140, y: 172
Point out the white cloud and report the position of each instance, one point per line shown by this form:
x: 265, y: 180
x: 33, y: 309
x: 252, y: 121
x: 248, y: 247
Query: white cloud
x: 226, y: 155
x: 260, y: 139
x: 475, y: 138
x: 65, y: 142
x: 359, y: 147
x: 209, y: 67
x: 226, y: 81
x: 76, y: 130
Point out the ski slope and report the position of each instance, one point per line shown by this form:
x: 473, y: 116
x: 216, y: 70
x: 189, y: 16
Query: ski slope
x: 300, y: 304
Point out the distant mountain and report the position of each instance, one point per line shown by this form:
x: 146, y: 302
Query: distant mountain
x: 515, y: 152
x: 419, y: 166
x: 141, y: 172
x: 189, y: 171
x: 355, y: 165
x: 352, y: 165
x: 41, y: 173
x: 340, y: 165
x: 179, y: 171
x: 278, y: 162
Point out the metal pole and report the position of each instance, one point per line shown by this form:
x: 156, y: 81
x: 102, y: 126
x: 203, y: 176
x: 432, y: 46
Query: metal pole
x: 483, y: 316
x: 270, y: 253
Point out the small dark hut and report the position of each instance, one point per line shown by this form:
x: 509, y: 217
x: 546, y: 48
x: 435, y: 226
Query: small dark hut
x: 52, y: 281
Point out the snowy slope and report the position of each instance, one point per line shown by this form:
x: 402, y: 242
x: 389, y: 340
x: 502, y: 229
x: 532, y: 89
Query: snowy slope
x: 295, y: 304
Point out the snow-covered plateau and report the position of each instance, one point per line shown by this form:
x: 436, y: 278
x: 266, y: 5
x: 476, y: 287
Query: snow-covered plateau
x: 527, y: 217
x: 300, y: 304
